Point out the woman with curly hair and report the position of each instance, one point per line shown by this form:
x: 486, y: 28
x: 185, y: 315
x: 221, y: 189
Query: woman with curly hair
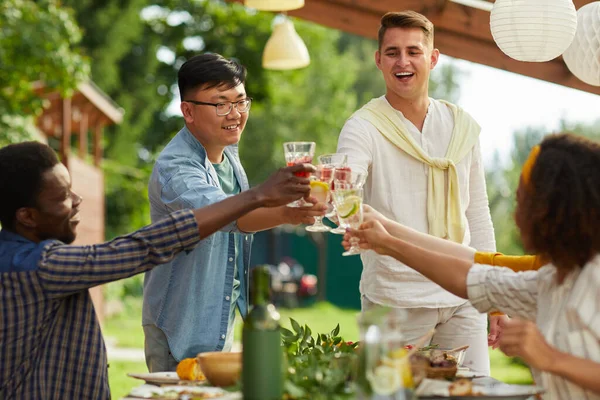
x: 556, y: 328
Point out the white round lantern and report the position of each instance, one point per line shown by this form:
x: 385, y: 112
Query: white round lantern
x: 533, y: 30
x: 583, y: 56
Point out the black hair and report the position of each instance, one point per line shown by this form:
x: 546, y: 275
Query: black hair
x: 22, y: 166
x: 209, y: 70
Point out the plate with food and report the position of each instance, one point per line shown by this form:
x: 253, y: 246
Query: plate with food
x: 178, y: 392
x: 188, y: 373
x: 467, y: 389
x: 157, y: 378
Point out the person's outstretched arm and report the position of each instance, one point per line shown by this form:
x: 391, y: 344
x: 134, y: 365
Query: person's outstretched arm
x: 65, y: 269
x: 419, y: 239
x: 427, y: 261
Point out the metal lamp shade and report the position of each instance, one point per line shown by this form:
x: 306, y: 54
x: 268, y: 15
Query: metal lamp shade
x: 533, y: 30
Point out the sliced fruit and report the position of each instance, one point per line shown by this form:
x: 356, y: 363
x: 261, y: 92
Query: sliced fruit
x: 349, y: 207
x: 384, y: 380
x: 318, y: 186
x: 402, y: 368
x: 189, y: 369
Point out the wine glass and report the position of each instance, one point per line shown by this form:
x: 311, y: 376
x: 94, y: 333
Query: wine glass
x: 339, y: 161
x: 334, y: 159
x: 349, y: 207
x: 299, y: 153
x: 344, y: 178
x: 320, y: 188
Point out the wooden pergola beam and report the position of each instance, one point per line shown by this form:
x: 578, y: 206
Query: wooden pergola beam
x: 460, y: 32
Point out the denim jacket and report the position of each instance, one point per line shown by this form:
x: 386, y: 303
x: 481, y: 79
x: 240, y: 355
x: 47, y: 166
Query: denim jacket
x: 189, y: 298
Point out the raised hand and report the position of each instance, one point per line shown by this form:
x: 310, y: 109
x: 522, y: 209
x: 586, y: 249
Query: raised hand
x: 284, y: 186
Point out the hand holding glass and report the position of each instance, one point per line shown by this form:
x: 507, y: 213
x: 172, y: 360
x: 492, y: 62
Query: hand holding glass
x: 299, y: 153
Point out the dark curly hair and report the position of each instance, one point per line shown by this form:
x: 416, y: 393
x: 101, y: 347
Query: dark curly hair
x: 22, y: 166
x: 558, y: 211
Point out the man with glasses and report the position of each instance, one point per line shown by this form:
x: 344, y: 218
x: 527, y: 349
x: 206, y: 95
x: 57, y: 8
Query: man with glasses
x: 189, y: 303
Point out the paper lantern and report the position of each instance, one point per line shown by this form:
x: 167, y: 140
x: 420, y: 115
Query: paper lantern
x: 285, y: 49
x: 274, y: 5
x: 583, y: 56
x: 533, y: 30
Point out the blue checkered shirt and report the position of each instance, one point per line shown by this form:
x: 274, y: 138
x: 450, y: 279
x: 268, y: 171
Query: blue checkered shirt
x: 51, y: 346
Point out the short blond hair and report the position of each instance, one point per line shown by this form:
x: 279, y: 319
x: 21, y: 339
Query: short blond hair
x: 405, y: 19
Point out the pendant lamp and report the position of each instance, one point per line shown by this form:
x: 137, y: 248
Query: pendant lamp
x: 285, y: 49
x: 583, y: 56
x: 533, y: 30
x: 274, y: 5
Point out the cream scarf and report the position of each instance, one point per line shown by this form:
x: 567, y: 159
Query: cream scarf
x: 444, y: 216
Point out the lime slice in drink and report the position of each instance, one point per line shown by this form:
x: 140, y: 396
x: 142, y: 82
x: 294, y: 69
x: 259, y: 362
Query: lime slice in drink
x: 349, y: 206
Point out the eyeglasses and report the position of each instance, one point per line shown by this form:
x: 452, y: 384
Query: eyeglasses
x: 225, y: 108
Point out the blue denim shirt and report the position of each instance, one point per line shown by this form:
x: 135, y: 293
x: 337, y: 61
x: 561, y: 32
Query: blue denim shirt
x: 189, y: 298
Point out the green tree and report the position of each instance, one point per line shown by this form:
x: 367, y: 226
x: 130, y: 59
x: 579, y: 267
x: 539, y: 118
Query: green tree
x: 124, y: 38
x: 123, y: 49
x: 39, y: 47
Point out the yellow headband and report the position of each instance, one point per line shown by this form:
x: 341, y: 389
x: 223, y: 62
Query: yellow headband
x: 529, y: 163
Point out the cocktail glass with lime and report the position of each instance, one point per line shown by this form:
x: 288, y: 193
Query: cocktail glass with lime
x: 348, y: 205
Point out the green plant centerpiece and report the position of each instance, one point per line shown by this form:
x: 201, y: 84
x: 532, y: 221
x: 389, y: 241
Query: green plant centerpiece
x: 319, y: 366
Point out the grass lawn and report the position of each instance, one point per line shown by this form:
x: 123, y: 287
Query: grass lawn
x: 124, y: 330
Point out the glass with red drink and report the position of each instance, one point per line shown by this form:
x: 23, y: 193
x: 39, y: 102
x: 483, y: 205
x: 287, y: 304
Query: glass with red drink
x: 299, y: 153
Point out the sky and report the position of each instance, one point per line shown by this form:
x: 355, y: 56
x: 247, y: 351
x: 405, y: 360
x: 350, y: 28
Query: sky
x: 503, y: 102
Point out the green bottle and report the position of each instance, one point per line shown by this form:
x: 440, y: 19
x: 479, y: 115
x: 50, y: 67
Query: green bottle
x: 262, y: 357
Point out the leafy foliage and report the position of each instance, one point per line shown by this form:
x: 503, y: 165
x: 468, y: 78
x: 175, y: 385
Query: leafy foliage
x: 319, y: 366
x: 38, y: 43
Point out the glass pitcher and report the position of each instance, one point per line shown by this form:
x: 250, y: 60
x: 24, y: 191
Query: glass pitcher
x: 383, y: 371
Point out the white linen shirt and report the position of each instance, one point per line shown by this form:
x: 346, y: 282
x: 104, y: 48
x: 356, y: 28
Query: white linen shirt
x: 567, y: 314
x: 397, y: 187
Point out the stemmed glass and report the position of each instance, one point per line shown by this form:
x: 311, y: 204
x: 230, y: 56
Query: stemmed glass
x: 349, y: 207
x: 344, y: 178
x: 348, y: 200
x: 299, y: 153
x: 320, y: 188
x: 340, y: 162
x: 334, y: 159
